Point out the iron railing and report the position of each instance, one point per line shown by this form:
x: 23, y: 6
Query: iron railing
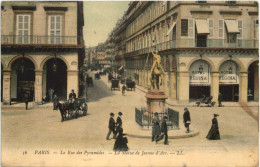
x: 144, y: 118
x: 40, y: 40
x: 191, y: 43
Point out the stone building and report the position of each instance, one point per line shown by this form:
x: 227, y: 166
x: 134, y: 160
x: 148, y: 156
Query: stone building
x: 207, y: 47
x: 42, y: 49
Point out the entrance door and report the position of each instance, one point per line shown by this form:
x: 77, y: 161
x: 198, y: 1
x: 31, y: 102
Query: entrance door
x: 196, y: 92
x: 229, y: 92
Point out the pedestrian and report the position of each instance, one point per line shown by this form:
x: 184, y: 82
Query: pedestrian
x: 214, y: 131
x: 111, y: 125
x: 123, y: 89
x: 121, y: 142
x: 156, y: 128
x: 164, y: 130
x: 220, y: 98
x: 55, y: 102
x: 51, y: 94
x: 26, y: 99
x: 186, y: 119
x: 118, y: 123
x: 72, y: 95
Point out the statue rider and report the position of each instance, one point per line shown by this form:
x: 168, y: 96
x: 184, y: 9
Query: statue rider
x: 156, y: 71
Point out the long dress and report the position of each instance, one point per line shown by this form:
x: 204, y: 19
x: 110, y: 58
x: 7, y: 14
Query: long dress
x: 214, y: 131
x: 121, y: 142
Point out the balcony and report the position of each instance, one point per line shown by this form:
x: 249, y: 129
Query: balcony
x: 41, y: 40
x: 191, y: 43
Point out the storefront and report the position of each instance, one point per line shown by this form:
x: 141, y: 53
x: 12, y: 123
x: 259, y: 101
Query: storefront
x: 229, y: 81
x: 253, y: 82
x: 199, y: 80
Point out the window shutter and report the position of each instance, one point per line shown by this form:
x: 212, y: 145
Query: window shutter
x: 221, y: 32
x: 211, y: 28
x: 191, y: 28
x: 240, y: 28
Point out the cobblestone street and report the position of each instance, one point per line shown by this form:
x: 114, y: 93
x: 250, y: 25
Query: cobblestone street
x: 40, y: 129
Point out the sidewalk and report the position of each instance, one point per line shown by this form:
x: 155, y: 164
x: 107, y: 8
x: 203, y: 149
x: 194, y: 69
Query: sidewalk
x: 172, y: 102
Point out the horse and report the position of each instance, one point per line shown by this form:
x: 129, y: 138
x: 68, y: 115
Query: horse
x: 63, y: 107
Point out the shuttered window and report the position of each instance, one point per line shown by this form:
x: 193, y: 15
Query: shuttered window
x: 23, y: 28
x: 55, y: 29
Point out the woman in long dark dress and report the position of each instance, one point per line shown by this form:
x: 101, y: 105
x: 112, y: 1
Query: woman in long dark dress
x: 121, y: 142
x: 214, y: 131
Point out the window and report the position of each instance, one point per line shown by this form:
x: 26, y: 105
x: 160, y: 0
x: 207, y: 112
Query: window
x: 23, y: 28
x: 55, y: 29
x: 240, y: 28
x: 202, y: 1
x: 211, y: 28
x: 184, y: 27
x: 233, y: 2
x: 256, y: 29
x: 231, y: 37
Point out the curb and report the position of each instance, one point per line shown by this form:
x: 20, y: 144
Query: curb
x: 186, y: 135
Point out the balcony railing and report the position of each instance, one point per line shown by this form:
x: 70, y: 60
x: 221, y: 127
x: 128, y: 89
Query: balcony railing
x: 40, y: 40
x: 191, y: 43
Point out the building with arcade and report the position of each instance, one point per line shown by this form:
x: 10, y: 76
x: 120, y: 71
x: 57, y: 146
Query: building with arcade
x: 207, y: 47
x: 42, y: 49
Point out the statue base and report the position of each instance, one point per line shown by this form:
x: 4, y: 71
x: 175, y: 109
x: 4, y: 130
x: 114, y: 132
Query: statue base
x: 155, y: 101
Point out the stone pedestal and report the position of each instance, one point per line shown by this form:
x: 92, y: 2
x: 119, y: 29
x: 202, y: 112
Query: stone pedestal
x: 155, y: 101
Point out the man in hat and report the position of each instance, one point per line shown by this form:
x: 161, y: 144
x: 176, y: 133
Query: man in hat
x: 186, y: 119
x: 111, y: 125
x: 118, y: 123
x: 220, y: 98
x: 156, y: 128
x: 72, y: 95
x: 55, y: 102
x: 164, y: 130
x: 214, y: 131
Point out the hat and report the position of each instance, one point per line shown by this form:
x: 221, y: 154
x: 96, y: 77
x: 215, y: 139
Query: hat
x: 215, y: 115
x: 112, y: 114
x: 156, y: 113
x: 185, y: 108
x: 120, y: 113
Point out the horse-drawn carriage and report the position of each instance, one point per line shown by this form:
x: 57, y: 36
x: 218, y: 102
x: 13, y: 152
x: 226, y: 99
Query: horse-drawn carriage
x: 89, y: 81
x: 73, y: 108
x: 206, y: 100
x: 97, y: 76
x: 115, y: 84
x: 130, y: 84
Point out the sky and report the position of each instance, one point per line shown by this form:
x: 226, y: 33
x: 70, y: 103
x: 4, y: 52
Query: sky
x: 100, y: 18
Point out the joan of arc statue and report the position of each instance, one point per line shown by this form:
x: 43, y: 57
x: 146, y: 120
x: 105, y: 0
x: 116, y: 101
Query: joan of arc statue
x: 156, y: 71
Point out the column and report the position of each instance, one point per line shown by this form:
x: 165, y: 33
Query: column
x: 38, y: 87
x: 145, y: 77
x: 243, y: 86
x: 72, y: 82
x: 6, y: 87
x: 44, y: 83
x: 183, y: 86
x: 215, y: 86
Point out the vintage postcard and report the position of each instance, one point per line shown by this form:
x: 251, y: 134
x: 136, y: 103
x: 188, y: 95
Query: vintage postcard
x: 130, y: 83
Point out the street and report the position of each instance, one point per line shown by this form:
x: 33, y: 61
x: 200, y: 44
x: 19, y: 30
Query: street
x: 41, y: 129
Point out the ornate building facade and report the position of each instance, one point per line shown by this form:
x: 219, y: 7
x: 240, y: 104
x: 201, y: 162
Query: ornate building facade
x: 207, y: 47
x: 42, y: 49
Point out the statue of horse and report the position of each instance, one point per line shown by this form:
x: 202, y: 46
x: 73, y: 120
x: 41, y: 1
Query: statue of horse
x: 156, y: 71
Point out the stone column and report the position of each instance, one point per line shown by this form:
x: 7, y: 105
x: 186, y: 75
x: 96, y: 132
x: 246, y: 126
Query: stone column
x: 215, y: 86
x: 243, y: 86
x: 145, y: 78
x: 72, y: 82
x: 183, y: 86
x: 38, y: 87
x: 7, y: 87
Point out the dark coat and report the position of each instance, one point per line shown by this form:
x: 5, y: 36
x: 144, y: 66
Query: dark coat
x: 214, y: 132
x: 72, y: 95
x: 220, y: 97
x: 26, y: 96
x: 186, y: 116
x: 119, y: 121
x: 55, y: 99
x: 164, y: 128
x: 156, y: 127
x: 111, y: 124
x: 121, y: 142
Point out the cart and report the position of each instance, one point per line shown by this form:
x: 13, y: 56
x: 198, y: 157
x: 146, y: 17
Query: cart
x: 115, y: 84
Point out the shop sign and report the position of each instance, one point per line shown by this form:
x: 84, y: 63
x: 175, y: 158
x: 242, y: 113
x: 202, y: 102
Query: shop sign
x: 228, y: 73
x: 200, y: 73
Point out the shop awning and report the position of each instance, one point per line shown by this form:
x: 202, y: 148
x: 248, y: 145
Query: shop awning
x: 202, y: 26
x: 171, y: 28
x: 232, y: 26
